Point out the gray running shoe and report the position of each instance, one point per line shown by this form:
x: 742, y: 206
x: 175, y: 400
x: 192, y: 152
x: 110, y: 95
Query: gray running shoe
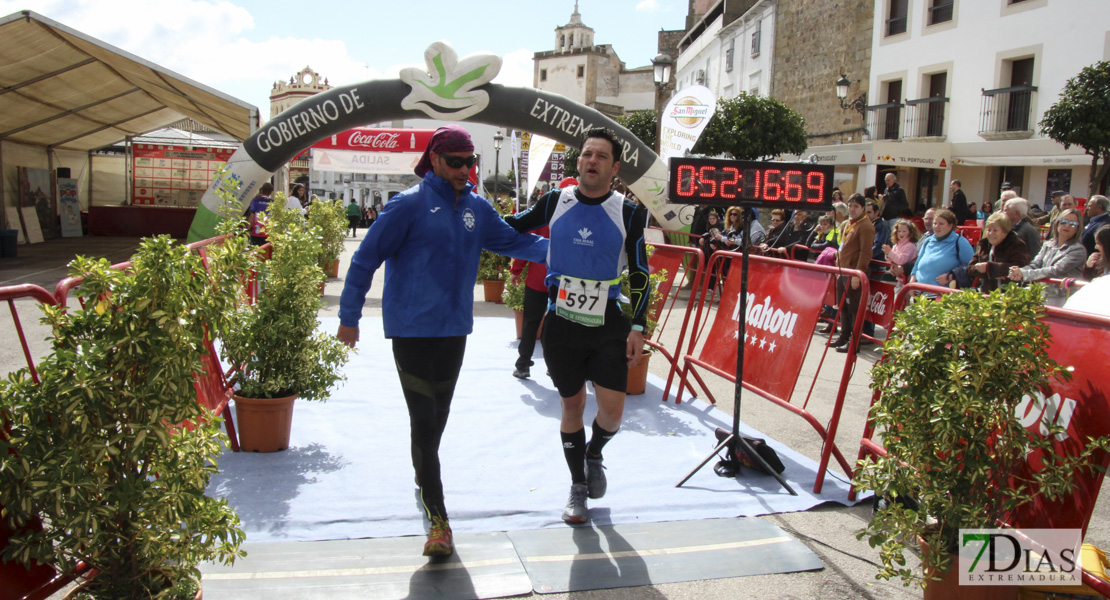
x: 595, y: 477
x: 575, y: 512
x: 522, y: 372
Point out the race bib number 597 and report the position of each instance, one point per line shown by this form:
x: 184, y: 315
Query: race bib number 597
x: 582, y: 300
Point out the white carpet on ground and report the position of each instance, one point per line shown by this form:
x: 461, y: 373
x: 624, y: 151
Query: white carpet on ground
x: 348, y: 472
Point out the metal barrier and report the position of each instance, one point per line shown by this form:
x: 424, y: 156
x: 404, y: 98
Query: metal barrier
x: 672, y: 259
x: 800, y: 288
x: 1081, y: 406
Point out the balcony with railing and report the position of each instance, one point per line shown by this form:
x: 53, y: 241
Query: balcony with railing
x: 884, y: 121
x: 1007, y: 113
x: 925, y: 119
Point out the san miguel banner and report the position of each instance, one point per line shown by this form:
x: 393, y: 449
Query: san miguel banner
x: 450, y: 89
x: 683, y: 120
x: 782, y: 310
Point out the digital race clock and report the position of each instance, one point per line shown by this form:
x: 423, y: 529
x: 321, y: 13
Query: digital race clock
x: 794, y: 186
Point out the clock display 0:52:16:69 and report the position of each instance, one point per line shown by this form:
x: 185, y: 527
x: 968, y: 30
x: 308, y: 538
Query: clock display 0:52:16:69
x: 770, y: 184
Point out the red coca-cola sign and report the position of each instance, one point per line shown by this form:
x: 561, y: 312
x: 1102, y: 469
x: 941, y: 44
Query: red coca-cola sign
x: 383, y: 140
x: 373, y: 139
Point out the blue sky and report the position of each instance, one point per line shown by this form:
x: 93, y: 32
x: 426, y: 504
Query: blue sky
x: 241, y: 47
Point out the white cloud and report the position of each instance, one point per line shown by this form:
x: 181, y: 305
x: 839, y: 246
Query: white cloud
x: 517, y: 69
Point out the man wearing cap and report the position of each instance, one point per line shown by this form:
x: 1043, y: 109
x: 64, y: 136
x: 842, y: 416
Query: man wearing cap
x: 1050, y: 216
x: 430, y: 237
x: 595, y: 233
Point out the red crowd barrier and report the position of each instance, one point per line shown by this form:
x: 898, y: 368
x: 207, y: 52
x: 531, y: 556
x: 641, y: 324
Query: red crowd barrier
x: 784, y: 304
x: 673, y: 259
x: 1081, y: 406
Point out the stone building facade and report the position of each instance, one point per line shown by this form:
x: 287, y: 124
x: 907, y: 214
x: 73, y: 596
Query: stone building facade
x: 816, y: 42
x: 592, y: 73
x: 284, y: 96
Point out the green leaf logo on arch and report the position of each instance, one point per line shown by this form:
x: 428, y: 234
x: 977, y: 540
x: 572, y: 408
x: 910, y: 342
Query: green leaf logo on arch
x: 446, y: 89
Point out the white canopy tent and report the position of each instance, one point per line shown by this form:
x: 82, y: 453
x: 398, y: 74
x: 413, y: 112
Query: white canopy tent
x: 64, y: 95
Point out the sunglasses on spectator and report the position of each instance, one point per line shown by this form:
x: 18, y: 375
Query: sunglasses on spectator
x: 456, y: 162
x: 1070, y: 223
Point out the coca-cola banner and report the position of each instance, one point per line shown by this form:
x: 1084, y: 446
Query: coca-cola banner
x: 448, y: 88
x: 372, y: 139
x: 782, y: 310
x: 880, y: 306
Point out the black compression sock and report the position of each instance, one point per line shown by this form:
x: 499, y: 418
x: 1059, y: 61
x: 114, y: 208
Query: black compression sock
x: 598, y: 440
x: 574, y: 450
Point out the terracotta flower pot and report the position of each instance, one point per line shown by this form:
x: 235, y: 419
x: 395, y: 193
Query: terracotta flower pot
x: 493, y: 290
x: 264, y: 423
x: 949, y: 588
x: 77, y: 589
x: 637, y: 376
x: 332, y: 269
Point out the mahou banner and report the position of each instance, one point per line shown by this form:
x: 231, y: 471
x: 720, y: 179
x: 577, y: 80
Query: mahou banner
x: 783, y: 306
x: 684, y: 118
x: 1079, y: 406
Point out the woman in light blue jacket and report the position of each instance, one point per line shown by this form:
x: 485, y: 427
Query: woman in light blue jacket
x: 1061, y: 257
x: 942, y: 252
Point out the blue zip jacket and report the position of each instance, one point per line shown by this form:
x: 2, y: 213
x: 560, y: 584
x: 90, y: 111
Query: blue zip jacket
x: 430, y: 245
x: 939, y: 256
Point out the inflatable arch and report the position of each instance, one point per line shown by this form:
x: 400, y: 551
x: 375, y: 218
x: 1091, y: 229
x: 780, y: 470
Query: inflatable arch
x: 451, y: 89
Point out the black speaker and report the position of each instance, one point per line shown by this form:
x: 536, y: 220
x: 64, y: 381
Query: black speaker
x: 63, y: 172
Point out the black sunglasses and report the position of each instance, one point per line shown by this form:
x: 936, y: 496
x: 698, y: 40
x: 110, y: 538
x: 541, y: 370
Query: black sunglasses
x: 456, y: 162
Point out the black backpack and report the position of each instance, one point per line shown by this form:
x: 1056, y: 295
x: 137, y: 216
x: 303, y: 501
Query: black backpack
x: 736, y: 456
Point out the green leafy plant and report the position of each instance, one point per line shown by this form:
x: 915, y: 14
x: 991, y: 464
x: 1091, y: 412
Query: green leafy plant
x: 750, y: 127
x: 953, y: 374
x: 513, y: 296
x: 1082, y: 117
x: 654, y: 280
x: 329, y: 219
x: 493, y: 266
x: 112, y: 450
x: 275, y: 344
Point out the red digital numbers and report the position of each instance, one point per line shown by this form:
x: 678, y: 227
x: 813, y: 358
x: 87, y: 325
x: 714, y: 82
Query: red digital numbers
x: 686, y: 175
x: 772, y: 187
x: 735, y: 179
x: 815, y: 184
x: 706, y: 176
x: 717, y: 180
x: 794, y: 186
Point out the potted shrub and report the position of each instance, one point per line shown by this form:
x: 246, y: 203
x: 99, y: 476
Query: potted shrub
x: 329, y: 219
x: 953, y: 372
x: 493, y: 269
x: 275, y: 345
x: 637, y: 376
x: 513, y: 298
x: 93, y: 450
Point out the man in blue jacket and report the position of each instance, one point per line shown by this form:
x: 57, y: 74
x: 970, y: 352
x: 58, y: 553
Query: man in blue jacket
x: 430, y: 237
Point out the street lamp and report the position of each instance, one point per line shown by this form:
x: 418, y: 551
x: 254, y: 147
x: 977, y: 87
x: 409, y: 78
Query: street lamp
x: 859, y: 104
x: 661, y: 67
x: 497, y: 139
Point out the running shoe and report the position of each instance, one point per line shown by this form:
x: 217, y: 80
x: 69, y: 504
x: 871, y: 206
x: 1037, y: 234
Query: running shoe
x: 575, y: 512
x: 595, y: 477
x: 522, y: 372
x: 439, y: 539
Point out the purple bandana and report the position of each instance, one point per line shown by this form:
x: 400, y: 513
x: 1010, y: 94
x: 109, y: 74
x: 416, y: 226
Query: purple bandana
x: 450, y: 138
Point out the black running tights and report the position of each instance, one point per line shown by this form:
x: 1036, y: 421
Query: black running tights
x: 428, y: 368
